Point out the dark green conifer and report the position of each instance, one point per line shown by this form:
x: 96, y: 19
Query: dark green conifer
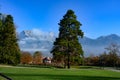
x: 9, y: 50
x: 67, y: 48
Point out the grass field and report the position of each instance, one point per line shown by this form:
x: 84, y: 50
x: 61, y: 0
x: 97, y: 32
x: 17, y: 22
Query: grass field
x: 25, y: 73
x: 1, y: 78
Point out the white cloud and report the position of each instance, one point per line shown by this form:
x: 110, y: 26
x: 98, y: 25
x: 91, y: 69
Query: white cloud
x: 22, y: 42
x: 29, y: 49
x: 37, y: 32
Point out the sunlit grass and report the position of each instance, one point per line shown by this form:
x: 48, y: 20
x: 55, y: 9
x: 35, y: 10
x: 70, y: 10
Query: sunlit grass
x: 21, y: 73
x: 1, y: 78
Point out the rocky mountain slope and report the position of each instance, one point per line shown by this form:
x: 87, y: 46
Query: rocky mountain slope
x: 35, y: 40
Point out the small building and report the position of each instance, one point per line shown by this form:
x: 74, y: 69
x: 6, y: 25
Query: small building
x: 47, y: 60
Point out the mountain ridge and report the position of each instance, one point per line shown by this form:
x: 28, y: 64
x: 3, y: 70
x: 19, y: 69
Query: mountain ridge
x: 35, y: 40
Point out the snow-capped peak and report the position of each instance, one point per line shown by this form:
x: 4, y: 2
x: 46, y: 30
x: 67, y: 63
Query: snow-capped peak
x: 37, y: 34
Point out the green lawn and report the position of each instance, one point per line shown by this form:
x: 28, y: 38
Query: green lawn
x: 1, y: 78
x: 22, y: 73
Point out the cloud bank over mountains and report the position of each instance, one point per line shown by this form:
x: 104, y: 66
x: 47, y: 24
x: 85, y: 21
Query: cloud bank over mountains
x: 37, y: 40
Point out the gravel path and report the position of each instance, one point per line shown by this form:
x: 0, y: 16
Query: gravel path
x: 112, y: 69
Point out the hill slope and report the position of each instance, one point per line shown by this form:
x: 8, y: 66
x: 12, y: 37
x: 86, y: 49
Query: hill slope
x: 35, y: 40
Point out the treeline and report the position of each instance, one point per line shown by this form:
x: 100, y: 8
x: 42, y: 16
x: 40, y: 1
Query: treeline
x: 111, y: 58
x: 28, y: 58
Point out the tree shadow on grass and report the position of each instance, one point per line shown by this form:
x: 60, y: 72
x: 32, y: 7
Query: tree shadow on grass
x: 60, y: 77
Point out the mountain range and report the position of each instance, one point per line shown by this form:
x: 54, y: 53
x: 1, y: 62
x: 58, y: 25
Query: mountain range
x: 36, y: 40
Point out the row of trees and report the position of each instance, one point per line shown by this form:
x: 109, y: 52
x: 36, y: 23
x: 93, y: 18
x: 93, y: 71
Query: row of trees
x: 9, y: 49
x: 27, y: 58
x: 110, y: 58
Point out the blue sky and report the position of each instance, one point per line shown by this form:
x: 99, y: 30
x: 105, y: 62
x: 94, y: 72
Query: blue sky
x: 98, y: 17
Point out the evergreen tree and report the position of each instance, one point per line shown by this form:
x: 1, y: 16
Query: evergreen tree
x: 1, y: 38
x: 66, y: 48
x: 9, y: 50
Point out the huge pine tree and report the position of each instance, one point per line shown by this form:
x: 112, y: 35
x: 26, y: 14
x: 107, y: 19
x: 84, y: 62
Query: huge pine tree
x: 67, y: 49
x: 9, y: 49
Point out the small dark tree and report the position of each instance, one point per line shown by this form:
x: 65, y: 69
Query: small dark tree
x: 113, y: 54
x: 9, y: 49
x: 103, y: 60
x: 66, y: 47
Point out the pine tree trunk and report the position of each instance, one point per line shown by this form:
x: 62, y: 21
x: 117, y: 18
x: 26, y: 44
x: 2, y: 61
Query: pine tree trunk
x: 68, y: 65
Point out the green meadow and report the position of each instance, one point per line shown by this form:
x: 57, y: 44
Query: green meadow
x: 30, y: 73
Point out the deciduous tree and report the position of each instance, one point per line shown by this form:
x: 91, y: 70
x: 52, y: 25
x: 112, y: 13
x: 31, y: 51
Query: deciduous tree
x: 37, y: 57
x: 26, y: 58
